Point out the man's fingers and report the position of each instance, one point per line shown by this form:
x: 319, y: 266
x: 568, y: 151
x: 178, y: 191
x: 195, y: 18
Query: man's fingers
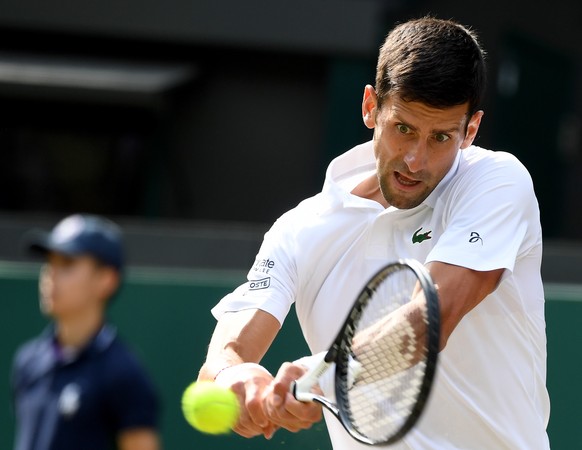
x: 277, y: 393
x: 254, y: 406
x: 250, y: 422
x: 283, y: 408
x: 282, y: 383
x: 299, y: 414
x: 305, y: 411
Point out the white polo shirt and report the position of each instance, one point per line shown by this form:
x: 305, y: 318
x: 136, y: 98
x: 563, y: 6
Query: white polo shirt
x: 490, y: 388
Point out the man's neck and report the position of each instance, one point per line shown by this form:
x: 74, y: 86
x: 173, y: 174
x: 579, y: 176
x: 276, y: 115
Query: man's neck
x: 76, y: 332
x: 370, y: 189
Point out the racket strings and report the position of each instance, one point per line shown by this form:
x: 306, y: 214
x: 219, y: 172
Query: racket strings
x: 389, y: 347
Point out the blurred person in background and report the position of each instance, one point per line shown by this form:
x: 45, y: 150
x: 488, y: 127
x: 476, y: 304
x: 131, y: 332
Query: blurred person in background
x: 77, y: 386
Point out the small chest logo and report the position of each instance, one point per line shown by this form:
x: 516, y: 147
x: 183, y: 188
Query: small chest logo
x: 474, y: 238
x: 70, y: 400
x: 419, y: 237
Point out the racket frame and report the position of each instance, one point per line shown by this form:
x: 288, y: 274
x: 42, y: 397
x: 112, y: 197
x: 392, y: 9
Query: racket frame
x: 340, y: 354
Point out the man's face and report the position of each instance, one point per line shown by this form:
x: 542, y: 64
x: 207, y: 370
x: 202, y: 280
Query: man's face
x: 70, y: 286
x: 415, y: 145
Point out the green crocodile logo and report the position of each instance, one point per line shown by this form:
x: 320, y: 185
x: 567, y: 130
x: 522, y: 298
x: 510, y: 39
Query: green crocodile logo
x: 418, y: 238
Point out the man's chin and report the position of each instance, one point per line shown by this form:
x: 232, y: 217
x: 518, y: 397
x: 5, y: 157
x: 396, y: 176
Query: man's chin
x: 400, y: 200
x: 405, y: 203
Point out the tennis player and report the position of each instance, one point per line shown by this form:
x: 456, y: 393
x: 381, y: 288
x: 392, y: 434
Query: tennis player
x: 77, y: 386
x: 420, y: 189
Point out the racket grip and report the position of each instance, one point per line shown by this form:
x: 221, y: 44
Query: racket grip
x: 354, y: 367
x: 310, y: 361
x: 316, y: 367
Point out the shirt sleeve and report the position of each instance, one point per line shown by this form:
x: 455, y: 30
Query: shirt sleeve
x: 492, y: 217
x: 271, y: 281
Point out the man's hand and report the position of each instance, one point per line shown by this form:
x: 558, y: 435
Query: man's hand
x: 282, y: 408
x: 249, y: 382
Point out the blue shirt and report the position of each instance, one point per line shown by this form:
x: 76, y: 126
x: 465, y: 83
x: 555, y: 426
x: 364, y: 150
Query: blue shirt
x: 82, y: 401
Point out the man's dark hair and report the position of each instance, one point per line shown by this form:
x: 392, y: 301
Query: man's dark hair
x: 436, y: 62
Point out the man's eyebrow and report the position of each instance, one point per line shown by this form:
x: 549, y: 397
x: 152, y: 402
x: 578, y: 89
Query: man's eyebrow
x: 452, y: 129
x: 446, y: 130
x: 399, y: 119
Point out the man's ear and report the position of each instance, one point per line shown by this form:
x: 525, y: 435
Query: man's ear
x: 369, y: 106
x: 472, y: 129
x: 110, y: 279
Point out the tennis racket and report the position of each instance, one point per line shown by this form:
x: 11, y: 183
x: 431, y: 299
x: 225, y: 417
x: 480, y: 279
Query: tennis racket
x: 385, y: 356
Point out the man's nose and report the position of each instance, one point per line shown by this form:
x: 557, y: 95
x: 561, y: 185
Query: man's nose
x: 415, y: 156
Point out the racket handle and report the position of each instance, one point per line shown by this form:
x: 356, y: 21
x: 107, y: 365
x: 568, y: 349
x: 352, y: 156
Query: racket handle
x: 316, y: 368
x: 310, y: 361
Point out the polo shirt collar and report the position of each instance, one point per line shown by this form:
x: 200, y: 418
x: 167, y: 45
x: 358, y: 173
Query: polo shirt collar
x: 45, y: 357
x: 432, y: 198
x: 99, y: 343
x: 360, y: 161
x: 356, y: 163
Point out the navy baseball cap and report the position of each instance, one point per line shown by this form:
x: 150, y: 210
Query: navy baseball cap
x: 82, y: 234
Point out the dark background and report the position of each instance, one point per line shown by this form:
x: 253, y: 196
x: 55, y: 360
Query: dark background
x: 251, y: 101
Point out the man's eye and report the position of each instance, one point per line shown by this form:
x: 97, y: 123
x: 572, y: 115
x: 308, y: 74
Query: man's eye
x: 441, y: 137
x: 403, y: 129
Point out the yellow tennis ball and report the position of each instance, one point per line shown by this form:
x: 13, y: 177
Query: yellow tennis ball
x: 210, y: 408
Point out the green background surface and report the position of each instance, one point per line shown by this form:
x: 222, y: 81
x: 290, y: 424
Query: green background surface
x: 165, y: 317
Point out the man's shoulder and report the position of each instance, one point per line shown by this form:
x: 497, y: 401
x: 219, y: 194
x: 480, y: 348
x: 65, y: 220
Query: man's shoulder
x: 475, y: 156
x: 32, y: 345
x: 31, y: 349
x: 477, y: 162
x: 32, y: 359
